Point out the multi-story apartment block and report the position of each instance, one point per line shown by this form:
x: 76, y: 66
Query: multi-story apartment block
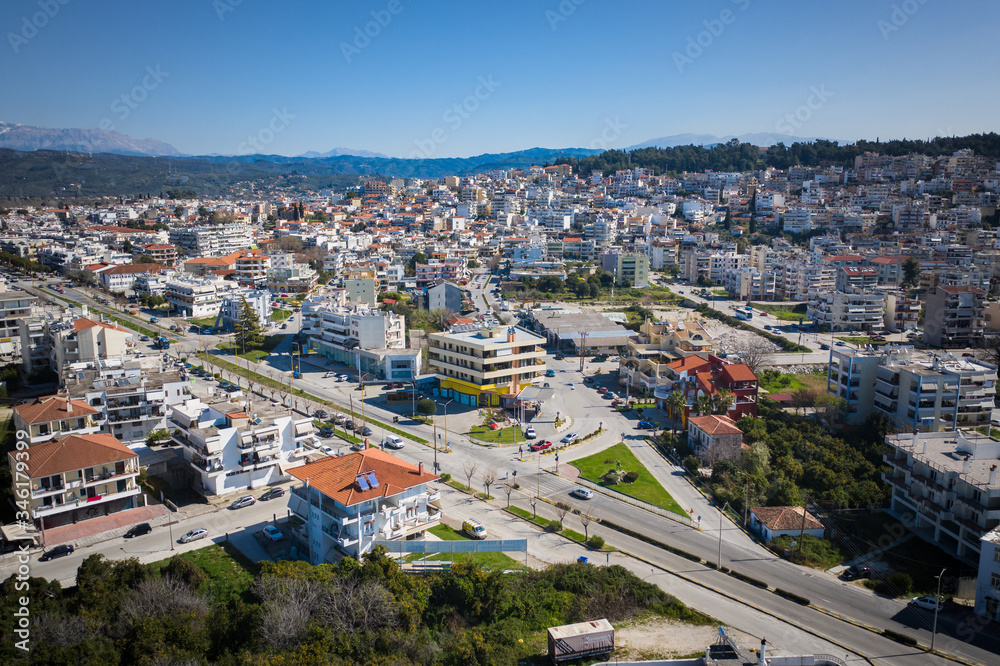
x: 451, y: 271
x: 13, y: 308
x: 122, y: 277
x: 750, y: 284
x: 132, y: 398
x: 373, y: 342
x: 229, y: 450
x: 251, y: 267
x: 36, y: 345
x: 953, y: 316
x: 477, y: 366
x: 854, y: 278
x: 902, y: 313
x: 642, y: 366
x: 295, y: 279
x: 231, y: 307
x: 945, y: 485
x: 88, y: 340
x: 916, y: 390
x: 193, y: 298
x: 838, y: 311
x: 77, y: 477
x: 346, y: 503
x: 988, y: 580
x: 54, y: 416
x: 212, y: 241
x: 890, y: 270
x: 707, y: 374
x: 162, y: 253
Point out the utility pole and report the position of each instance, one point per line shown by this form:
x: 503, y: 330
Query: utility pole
x: 802, y: 530
x: 937, y: 606
x: 583, y: 349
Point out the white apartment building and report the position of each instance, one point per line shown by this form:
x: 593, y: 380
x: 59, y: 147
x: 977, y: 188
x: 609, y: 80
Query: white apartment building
x: 838, y: 311
x: 988, y: 580
x: 797, y: 220
x: 193, y: 298
x: 750, y: 284
x: 229, y: 450
x: 916, y: 390
x: 231, y: 307
x: 212, y: 241
x: 374, y: 342
x: 944, y: 484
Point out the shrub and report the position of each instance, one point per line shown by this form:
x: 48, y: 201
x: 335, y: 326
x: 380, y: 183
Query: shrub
x: 426, y: 406
x: 691, y: 464
x: 895, y: 585
x: 595, y: 542
x: 611, y: 477
x: 791, y: 596
x: 630, y: 477
x: 445, y: 477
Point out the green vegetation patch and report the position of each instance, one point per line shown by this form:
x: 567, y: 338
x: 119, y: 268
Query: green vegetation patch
x: 792, y: 313
x: 228, y: 573
x: 511, y: 435
x: 645, y: 487
x: 816, y: 553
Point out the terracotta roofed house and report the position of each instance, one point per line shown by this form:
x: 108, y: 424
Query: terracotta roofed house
x: 55, y: 415
x: 363, y: 497
x: 774, y: 521
x: 714, y: 438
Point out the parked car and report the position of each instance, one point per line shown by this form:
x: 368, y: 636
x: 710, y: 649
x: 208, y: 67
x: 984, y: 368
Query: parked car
x: 246, y: 500
x: 321, y: 414
x: 272, y: 533
x: 540, y: 445
x: 824, y: 346
x: 328, y: 375
x: 154, y: 319
x: 571, y: 386
x: 326, y: 431
x: 273, y: 493
x: 139, y: 530
x: 602, y: 390
x: 530, y: 433
x: 339, y: 419
x: 588, y: 380
x: 327, y: 450
x: 343, y: 378
x: 857, y: 571
x: 144, y: 338
x: 365, y: 432
x: 349, y: 425
x: 58, y: 551
x: 646, y: 425
x: 550, y: 373
x: 559, y: 357
x: 582, y: 493
x: 493, y: 425
x: 927, y: 603
x: 194, y: 535
x: 570, y: 438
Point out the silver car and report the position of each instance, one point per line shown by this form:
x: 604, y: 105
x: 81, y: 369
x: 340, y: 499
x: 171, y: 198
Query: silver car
x: 246, y: 500
x: 194, y: 535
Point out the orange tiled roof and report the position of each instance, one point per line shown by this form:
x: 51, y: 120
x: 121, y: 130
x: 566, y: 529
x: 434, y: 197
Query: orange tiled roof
x: 84, y: 323
x: 52, y: 408
x: 715, y: 425
x: 785, y: 517
x: 739, y: 372
x: 76, y: 452
x: 336, y: 477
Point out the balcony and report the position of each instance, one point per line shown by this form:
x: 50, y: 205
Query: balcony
x: 45, y: 491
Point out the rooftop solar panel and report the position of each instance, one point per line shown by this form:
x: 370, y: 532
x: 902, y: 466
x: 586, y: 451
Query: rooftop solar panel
x: 372, y: 481
x: 362, y: 483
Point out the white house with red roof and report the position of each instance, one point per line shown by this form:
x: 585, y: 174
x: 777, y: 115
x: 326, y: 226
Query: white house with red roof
x: 350, y: 502
x: 714, y: 437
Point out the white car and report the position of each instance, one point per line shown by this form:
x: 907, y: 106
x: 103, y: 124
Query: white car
x: 273, y: 533
x: 530, y: 433
x: 927, y: 603
x: 570, y: 438
x: 392, y: 442
x: 194, y: 535
x: 327, y: 450
x: 572, y: 386
x: 328, y: 375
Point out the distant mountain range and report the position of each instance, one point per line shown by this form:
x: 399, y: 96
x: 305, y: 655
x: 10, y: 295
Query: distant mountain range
x: 27, y: 137
x: 709, y: 140
x: 338, y: 152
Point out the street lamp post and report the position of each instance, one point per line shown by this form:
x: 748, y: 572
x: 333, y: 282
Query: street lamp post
x: 722, y: 516
x: 445, y: 405
x: 937, y: 606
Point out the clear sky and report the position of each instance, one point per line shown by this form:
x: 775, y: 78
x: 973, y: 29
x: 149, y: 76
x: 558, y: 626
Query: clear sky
x: 287, y: 76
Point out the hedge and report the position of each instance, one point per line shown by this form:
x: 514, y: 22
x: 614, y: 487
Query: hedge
x: 747, y: 579
x: 659, y: 544
x: 899, y: 638
x: 791, y: 596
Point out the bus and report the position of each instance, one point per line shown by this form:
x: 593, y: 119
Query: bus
x: 746, y: 314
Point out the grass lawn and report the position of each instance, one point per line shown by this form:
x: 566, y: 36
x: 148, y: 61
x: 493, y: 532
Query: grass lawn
x: 268, y: 346
x: 816, y: 553
x: 862, y: 341
x: 784, y: 312
x: 228, y: 572
x: 645, y: 488
x: 280, y: 315
x: 989, y: 431
x: 445, y: 533
x: 511, y: 435
x: 721, y: 292
x: 203, y: 321
x: 787, y: 383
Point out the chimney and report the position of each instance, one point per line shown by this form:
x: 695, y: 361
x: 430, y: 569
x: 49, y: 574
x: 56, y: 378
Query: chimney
x: 511, y: 335
x: 762, y: 657
x: 993, y: 475
x: 420, y: 468
x: 69, y: 405
x: 967, y: 465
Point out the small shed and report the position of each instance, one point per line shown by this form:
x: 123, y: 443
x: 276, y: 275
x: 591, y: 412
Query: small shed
x: 775, y: 521
x: 583, y: 639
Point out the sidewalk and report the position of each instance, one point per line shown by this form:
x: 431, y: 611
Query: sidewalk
x: 105, y: 528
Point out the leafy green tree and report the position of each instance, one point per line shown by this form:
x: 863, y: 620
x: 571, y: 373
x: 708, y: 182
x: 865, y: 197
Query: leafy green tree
x: 426, y: 406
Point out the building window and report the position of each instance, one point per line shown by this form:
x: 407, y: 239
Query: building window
x: 995, y: 580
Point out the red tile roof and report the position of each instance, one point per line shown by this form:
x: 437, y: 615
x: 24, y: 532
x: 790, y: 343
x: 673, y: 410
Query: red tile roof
x: 52, y: 408
x: 76, y: 452
x: 84, y: 323
x: 739, y: 372
x: 336, y: 477
x: 715, y: 425
x: 785, y: 518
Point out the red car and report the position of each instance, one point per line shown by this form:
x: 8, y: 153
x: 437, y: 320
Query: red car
x: 603, y: 389
x: 541, y: 446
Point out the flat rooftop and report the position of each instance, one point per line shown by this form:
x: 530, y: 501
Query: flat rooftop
x: 482, y: 336
x: 947, y: 452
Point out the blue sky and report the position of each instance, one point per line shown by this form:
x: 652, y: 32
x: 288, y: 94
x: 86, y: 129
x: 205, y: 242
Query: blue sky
x: 232, y: 76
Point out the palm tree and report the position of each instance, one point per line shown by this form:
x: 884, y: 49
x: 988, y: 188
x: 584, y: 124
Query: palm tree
x: 676, y: 404
x: 724, y: 401
x: 704, y: 404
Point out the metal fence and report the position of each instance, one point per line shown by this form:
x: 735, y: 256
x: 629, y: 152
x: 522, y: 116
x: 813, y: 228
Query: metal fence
x: 628, y: 499
x: 485, y: 546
